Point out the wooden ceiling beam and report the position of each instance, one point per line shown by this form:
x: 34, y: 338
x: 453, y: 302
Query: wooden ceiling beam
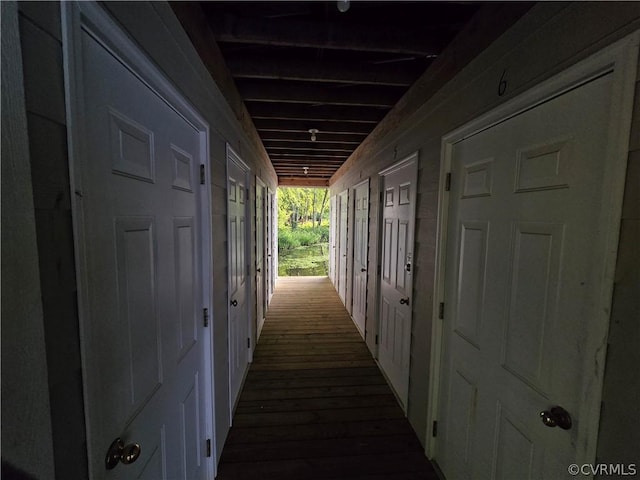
x: 353, y: 139
x: 274, y: 145
x: 307, y: 150
x: 311, y: 70
x: 269, y: 91
x: 325, y: 126
x: 302, y: 182
x: 290, y: 111
x: 277, y: 163
x: 295, y: 33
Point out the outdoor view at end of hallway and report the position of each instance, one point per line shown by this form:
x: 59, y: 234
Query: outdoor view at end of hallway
x: 303, y: 232
x: 314, y: 404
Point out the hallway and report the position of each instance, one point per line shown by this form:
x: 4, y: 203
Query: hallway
x: 314, y: 404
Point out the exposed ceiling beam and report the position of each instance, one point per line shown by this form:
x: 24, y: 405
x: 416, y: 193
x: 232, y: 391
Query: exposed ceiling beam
x: 286, y: 32
x: 296, y: 137
x: 257, y: 66
x: 301, y: 181
x: 312, y: 113
x: 316, y: 158
x: 253, y: 90
x: 304, y: 126
x: 313, y: 147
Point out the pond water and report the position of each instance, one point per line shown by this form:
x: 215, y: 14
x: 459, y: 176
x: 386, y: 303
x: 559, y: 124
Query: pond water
x: 304, y: 261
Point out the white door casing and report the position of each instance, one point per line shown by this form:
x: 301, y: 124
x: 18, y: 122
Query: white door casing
x: 333, y: 230
x: 531, y: 231
x: 398, y: 187
x: 342, y: 247
x: 142, y: 241
x: 360, y: 254
x: 238, y: 308
x: 268, y: 246
x: 272, y: 254
x: 261, y: 293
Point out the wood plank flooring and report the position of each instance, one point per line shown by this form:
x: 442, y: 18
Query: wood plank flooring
x: 315, y: 405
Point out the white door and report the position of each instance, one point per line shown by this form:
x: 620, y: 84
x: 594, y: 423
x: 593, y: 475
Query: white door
x: 239, y: 332
x: 523, y: 276
x: 360, y: 252
x: 261, y: 296
x: 333, y: 241
x: 268, y: 223
x: 144, y: 341
x: 272, y: 253
x: 398, y: 186
x: 341, y: 258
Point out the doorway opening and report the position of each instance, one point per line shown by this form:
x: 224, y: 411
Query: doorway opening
x: 303, y: 231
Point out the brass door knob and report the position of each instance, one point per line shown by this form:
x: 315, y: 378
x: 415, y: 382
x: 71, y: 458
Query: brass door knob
x: 556, y: 417
x: 119, y: 452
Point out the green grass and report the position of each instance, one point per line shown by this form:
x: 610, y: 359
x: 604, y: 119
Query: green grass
x: 289, y: 239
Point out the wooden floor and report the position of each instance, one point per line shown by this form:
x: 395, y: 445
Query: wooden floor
x: 315, y: 405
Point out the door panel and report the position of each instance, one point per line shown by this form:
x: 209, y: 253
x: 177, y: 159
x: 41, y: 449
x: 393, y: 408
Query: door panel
x: 343, y: 209
x: 239, y: 331
x: 360, y: 254
x: 261, y: 294
x: 525, y: 266
x: 144, y: 346
x: 396, y: 284
x: 333, y: 238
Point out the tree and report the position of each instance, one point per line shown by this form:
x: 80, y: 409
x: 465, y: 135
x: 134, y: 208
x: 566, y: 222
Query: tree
x: 300, y: 204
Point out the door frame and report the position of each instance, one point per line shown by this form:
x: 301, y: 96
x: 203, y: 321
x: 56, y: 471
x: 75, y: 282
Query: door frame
x: 352, y: 205
x: 620, y: 58
x: 78, y: 16
x: 413, y: 157
x: 231, y: 155
x: 339, y: 253
x: 260, y: 321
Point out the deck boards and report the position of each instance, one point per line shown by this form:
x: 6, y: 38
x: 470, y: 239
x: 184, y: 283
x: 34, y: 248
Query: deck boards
x: 314, y: 404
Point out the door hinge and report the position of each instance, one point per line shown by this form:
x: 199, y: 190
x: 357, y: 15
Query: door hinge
x: 203, y: 175
x: 248, y: 342
x: 376, y: 339
x: 205, y: 316
x: 434, y: 429
x: 447, y: 182
x: 208, y: 447
x: 441, y: 311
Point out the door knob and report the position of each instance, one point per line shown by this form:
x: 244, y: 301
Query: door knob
x: 119, y: 452
x: 258, y: 270
x: 556, y: 417
x: 363, y: 270
x: 234, y: 303
x: 404, y: 301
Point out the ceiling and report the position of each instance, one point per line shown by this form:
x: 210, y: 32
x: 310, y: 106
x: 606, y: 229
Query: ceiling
x: 306, y: 65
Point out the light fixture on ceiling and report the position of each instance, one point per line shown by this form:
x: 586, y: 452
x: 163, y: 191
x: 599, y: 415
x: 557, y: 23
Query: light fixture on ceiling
x: 306, y: 170
x: 313, y: 132
x: 343, y: 5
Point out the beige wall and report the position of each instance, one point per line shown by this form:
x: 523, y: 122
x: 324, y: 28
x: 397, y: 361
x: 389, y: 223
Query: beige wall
x: 619, y: 435
x: 154, y: 27
x: 27, y: 443
x: 545, y: 41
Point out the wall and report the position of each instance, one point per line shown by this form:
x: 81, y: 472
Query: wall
x: 154, y: 27
x: 620, y: 415
x: 546, y: 40
x: 40, y: 34
x: 27, y: 443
